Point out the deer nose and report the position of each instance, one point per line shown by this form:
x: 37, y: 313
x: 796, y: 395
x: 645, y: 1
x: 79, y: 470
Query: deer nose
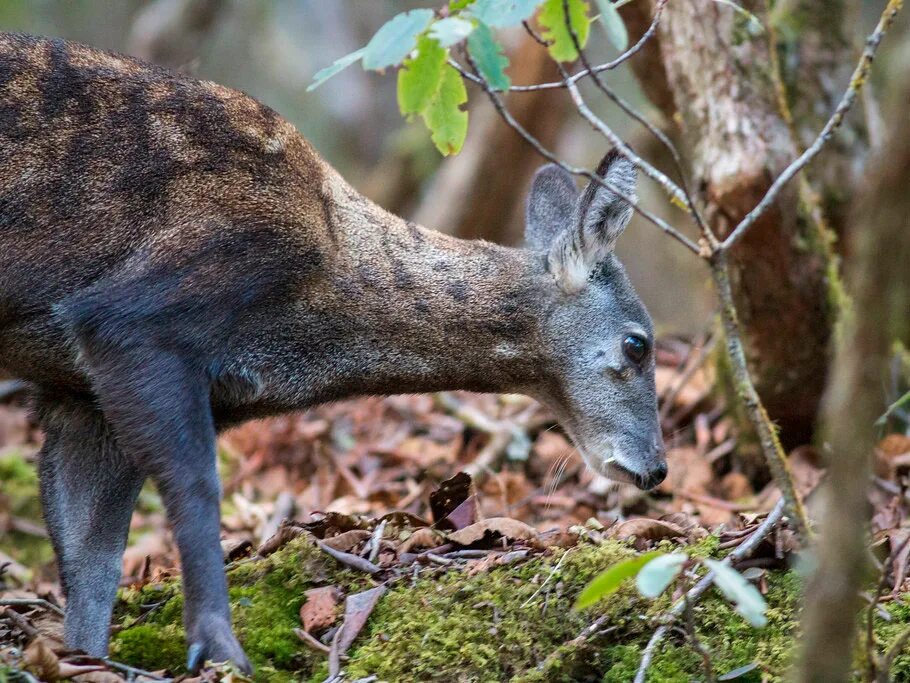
x: 652, y: 478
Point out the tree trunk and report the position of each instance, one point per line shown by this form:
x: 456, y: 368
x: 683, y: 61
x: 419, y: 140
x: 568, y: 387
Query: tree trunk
x: 721, y: 75
x: 817, y: 54
x: 880, y: 282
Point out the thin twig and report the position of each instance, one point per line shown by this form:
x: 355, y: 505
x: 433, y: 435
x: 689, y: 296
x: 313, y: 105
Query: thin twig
x: 872, y: 661
x: 350, y: 560
x: 376, y: 540
x: 888, y: 659
x: 694, y: 640
x: 19, y: 621
x: 679, y: 194
x: 134, y: 671
x: 30, y: 602
x: 849, y: 96
x: 310, y: 640
x: 553, y: 572
x: 574, y: 78
x: 695, y: 362
x: 772, y: 449
x: 743, y: 551
x: 575, y: 170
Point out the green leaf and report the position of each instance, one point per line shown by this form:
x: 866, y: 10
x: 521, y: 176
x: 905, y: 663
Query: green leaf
x: 337, y: 66
x: 503, y: 13
x: 448, y: 124
x: 609, y: 581
x: 451, y: 30
x: 556, y: 32
x: 419, y: 80
x: 488, y: 55
x: 746, y: 598
x: 655, y: 576
x: 613, y: 24
x: 395, y: 40
x: 899, y: 404
x: 456, y: 5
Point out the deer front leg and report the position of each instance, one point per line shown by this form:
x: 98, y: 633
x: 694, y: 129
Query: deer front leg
x: 157, y: 402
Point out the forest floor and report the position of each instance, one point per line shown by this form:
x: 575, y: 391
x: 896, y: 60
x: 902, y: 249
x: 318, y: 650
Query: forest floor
x: 355, y: 550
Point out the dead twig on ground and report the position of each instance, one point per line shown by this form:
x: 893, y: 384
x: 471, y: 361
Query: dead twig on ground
x: 349, y: 560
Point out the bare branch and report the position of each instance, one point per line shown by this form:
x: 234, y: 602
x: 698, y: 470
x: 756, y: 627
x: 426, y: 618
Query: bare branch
x: 772, y: 449
x: 598, y: 124
x: 496, y: 99
x: 849, y: 96
x: 743, y: 551
x: 574, y: 78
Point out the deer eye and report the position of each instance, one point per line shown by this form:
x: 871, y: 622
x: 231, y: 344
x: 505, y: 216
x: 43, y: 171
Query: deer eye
x: 635, y: 348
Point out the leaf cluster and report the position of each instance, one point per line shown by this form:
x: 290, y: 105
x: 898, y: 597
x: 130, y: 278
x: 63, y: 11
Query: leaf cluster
x: 419, y: 43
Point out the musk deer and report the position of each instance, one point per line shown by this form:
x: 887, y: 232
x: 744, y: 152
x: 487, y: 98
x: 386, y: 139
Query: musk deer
x: 175, y: 259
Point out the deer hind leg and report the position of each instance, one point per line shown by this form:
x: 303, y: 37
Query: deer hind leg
x: 153, y: 386
x: 88, y: 491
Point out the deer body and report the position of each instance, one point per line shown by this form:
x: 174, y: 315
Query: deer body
x: 175, y: 259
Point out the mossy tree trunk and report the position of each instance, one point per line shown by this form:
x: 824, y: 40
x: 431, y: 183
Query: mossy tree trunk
x: 726, y: 95
x: 816, y: 52
x: 880, y: 282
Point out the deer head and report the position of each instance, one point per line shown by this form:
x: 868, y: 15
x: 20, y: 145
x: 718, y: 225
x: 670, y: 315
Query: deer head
x: 598, y: 334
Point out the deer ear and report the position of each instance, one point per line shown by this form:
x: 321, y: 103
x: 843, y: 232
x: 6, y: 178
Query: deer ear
x: 550, y: 207
x: 599, y: 218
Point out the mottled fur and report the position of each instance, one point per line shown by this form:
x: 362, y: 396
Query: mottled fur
x: 175, y: 258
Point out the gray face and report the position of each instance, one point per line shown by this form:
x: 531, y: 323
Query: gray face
x: 599, y: 337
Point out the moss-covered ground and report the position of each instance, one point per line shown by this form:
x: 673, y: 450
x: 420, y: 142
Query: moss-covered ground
x: 450, y: 625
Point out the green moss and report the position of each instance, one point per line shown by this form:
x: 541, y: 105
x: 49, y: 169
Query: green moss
x: 265, y: 600
x: 151, y: 645
x: 511, y: 623
x: 19, y: 493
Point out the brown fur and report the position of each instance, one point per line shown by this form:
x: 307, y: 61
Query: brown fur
x: 110, y: 165
x: 175, y: 258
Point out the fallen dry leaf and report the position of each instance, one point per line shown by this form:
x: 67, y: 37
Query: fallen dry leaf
x: 687, y: 470
x: 68, y: 670
x: 318, y: 611
x: 285, y: 534
x: 806, y: 470
x: 422, y: 538
x: 464, y: 515
x: 348, y: 540
x: 40, y: 659
x: 357, y: 609
x: 647, y: 529
x: 450, y: 494
x: 103, y: 676
x: 891, y: 454
x: 493, y: 528
x: 735, y: 486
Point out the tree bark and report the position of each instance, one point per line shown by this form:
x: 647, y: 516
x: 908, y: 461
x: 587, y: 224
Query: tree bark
x: 721, y: 75
x: 817, y: 52
x: 879, y: 279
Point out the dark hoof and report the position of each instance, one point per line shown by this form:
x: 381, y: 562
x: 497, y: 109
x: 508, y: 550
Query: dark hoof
x: 216, y: 644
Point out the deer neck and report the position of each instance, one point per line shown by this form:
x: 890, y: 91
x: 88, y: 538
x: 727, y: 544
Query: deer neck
x: 421, y: 311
